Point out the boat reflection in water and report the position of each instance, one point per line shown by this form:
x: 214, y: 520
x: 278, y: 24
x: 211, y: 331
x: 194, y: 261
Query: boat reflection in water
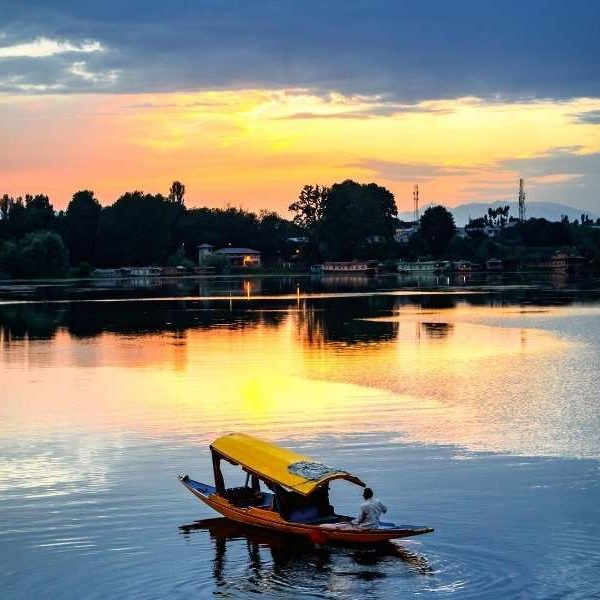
x: 273, y: 558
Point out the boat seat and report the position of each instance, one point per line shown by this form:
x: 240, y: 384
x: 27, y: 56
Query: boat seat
x: 243, y: 497
x: 304, y: 515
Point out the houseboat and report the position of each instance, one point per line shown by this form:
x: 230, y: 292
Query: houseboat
x: 169, y: 271
x: 285, y: 492
x: 566, y: 263
x: 353, y: 267
x: 144, y: 271
x: 105, y: 273
x: 435, y: 267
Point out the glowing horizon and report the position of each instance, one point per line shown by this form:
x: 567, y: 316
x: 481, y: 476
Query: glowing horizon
x: 256, y: 148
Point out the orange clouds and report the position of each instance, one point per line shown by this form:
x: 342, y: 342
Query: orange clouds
x: 256, y: 148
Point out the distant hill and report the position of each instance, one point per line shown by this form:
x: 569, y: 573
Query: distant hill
x: 540, y: 210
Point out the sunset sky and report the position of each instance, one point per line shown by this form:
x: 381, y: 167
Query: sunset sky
x: 246, y: 101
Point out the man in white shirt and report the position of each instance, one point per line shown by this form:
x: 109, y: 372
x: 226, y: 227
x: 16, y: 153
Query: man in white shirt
x: 370, y: 511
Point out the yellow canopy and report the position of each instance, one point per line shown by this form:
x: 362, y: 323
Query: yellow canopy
x: 292, y: 470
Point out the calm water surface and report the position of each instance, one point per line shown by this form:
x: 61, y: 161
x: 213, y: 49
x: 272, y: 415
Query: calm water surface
x: 470, y: 406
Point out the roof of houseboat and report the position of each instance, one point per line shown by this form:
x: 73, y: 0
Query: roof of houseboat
x: 295, y: 471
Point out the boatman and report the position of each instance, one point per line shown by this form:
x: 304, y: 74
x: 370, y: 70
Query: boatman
x: 370, y: 511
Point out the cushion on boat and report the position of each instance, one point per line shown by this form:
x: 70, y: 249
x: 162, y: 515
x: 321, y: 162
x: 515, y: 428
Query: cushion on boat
x: 301, y: 515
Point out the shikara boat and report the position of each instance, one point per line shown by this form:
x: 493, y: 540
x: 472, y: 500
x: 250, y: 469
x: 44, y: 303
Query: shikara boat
x: 286, y: 492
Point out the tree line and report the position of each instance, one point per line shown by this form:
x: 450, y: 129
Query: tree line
x: 351, y: 220
x: 137, y: 229
x: 345, y: 221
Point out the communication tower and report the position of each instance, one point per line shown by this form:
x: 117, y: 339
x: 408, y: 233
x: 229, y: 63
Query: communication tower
x: 416, y: 200
x: 521, y: 200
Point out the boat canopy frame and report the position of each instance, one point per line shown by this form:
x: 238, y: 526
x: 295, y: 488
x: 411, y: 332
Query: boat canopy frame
x: 274, y: 464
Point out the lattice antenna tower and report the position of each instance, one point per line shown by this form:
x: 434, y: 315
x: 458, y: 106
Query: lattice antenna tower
x: 521, y: 200
x: 416, y: 200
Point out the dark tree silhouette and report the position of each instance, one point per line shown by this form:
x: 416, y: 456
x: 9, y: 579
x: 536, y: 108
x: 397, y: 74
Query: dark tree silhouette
x: 135, y: 230
x: 81, y: 226
x: 38, y: 253
x: 273, y: 235
x: 348, y: 220
x: 18, y: 224
x: 540, y: 232
x: 437, y: 228
x: 308, y: 209
x: 177, y: 192
x: 355, y: 216
x: 5, y: 204
x: 39, y: 212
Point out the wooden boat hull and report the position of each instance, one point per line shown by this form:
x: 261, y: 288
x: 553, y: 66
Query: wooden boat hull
x: 319, y: 533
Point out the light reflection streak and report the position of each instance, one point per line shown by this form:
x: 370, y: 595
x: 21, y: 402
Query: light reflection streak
x: 233, y: 298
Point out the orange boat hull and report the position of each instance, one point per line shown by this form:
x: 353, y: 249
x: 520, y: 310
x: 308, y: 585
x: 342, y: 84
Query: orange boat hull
x: 319, y: 533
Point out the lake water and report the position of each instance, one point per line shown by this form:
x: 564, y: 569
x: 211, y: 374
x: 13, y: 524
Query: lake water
x: 471, y: 406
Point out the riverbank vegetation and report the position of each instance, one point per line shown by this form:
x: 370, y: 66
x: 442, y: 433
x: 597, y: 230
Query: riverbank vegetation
x: 138, y: 229
x: 343, y: 222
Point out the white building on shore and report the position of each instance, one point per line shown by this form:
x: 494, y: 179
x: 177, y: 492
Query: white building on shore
x: 237, y: 257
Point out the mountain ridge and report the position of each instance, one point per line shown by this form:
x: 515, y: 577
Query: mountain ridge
x: 552, y: 211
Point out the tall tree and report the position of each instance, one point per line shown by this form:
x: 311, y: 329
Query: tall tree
x: 308, y: 208
x: 17, y: 218
x: 176, y: 200
x: 497, y: 216
x: 437, y: 228
x: 135, y: 230
x: 177, y: 192
x: 81, y: 226
x: 355, y: 215
x: 40, y: 212
x: 5, y: 203
x: 273, y: 235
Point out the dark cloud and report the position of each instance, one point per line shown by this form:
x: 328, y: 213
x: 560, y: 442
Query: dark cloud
x: 60, y: 73
x: 591, y: 117
x: 411, y: 50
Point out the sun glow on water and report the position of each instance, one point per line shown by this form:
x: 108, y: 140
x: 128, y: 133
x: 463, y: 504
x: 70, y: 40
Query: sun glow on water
x: 425, y: 379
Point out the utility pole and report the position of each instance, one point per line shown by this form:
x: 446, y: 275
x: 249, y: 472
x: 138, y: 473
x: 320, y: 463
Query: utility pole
x: 521, y: 200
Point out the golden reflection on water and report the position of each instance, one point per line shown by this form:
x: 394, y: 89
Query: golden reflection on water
x: 436, y: 378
